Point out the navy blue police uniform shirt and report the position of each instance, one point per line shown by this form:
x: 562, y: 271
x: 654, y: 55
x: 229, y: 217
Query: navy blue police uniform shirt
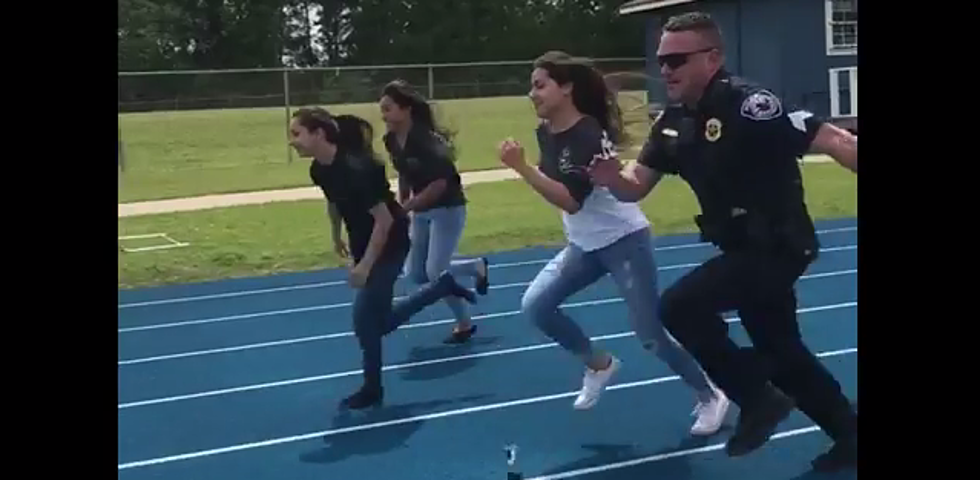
x: 424, y: 159
x: 566, y: 155
x: 738, y: 149
x: 355, y: 186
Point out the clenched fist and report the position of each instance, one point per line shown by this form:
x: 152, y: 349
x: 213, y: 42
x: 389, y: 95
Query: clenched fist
x: 512, y: 154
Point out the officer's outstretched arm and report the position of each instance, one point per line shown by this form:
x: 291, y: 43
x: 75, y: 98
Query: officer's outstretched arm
x: 838, y: 143
x: 626, y: 184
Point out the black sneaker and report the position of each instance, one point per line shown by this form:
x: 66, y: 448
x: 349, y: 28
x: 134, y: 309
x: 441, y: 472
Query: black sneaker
x: 460, y: 336
x: 755, y: 426
x: 843, y: 455
x: 483, y: 280
x: 366, y: 397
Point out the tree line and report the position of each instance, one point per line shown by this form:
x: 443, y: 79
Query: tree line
x: 180, y: 35
x: 226, y: 34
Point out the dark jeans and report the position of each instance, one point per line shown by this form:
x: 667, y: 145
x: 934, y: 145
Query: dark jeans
x: 760, y: 286
x: 375, y: 316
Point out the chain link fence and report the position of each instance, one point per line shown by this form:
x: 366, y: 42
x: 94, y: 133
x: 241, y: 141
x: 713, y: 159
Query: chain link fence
x: 260, y: 88
x: 188, y: 133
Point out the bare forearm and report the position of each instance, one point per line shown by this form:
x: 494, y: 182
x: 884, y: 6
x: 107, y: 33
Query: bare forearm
x: 848, y: 156
x: 839, y: 144
x: 336, y: 222
x: 626, y: 188
x: 632, y: 184
x: 403, y: 190
x: 552, y: 191
x: 427, y: 196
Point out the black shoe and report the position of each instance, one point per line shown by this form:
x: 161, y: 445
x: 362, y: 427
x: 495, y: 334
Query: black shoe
x: 755, y: 426
x: 843, y: 455
x: 483, y: 283
x: 366, y: 397
x: 460, y: 336
x: 457, y: 290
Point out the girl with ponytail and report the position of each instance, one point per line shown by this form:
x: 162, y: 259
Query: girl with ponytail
x: 429, y: 188
x: 581, y: 124
x: 359, y: 196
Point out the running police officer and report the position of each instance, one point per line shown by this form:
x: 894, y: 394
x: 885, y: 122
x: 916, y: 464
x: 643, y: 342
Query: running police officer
x: 736, y: 144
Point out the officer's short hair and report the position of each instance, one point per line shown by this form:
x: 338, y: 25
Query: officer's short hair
x: 699, y: 22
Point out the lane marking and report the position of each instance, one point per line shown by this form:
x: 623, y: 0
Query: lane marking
x: 400, y: 421
x: 335, y: 283
x: 387, y: 368
x: 329, y: 336
x: 333, y: 306
x: 665, y: 456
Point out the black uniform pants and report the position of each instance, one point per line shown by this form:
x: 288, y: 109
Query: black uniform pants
x: 760, y: 287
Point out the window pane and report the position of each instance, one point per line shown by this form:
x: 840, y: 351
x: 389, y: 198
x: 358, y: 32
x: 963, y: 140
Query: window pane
x: 844, y: 92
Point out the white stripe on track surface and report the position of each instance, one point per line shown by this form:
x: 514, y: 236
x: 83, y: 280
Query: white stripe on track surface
x: 336, y: 283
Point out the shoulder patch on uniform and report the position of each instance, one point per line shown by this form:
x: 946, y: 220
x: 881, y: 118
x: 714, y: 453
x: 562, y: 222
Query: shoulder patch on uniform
x: 761, y: 105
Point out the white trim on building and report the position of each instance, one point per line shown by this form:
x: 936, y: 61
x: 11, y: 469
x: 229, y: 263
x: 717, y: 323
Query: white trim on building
x: 836, y: 110
x: 841, y: 33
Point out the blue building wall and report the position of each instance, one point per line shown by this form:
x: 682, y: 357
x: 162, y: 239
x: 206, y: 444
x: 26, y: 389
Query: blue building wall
x: 778, y: 43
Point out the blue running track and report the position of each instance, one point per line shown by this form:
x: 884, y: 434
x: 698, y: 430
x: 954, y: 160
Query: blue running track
x: 240, y: 379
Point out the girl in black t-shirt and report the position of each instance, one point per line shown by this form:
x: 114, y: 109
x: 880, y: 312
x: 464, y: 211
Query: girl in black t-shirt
x: 429, y: 188
x: 580, y: 125
x: 358, y: 193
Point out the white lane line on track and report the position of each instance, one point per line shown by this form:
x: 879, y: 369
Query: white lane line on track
x: 333, y: 306
x: 329, y: 336
x: 665, y: 456
x: 317, y: 378
x: 336, y: 283
x: 400, y: 421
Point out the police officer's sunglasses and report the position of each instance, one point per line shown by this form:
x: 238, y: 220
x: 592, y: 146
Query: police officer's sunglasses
x: 677, y: 60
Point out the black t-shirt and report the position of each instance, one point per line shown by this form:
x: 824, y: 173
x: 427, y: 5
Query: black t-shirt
x: 566, y: 155
x: 738, y: 149
x: 355, y: 185
x: 424, y: 159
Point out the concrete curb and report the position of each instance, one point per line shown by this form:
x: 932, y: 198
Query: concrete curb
x: 267, y: 196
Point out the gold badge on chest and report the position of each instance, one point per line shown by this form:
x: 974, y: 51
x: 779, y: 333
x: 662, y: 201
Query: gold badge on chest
x: 712, y: 129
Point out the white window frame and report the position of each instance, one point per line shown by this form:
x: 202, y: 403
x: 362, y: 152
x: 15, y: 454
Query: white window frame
x: 829, y: 31
x: 835, y: 92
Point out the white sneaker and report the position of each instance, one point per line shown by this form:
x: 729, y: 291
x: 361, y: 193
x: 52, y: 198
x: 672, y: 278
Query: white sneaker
x: 594, y: 383
x: 710, y: 415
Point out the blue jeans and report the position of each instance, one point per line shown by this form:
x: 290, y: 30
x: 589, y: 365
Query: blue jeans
x: 631, y: 264
x: 375, y: 315
x: 435, y: 236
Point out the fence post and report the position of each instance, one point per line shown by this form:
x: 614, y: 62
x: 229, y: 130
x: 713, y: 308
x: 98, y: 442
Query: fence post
x: 432, y: 86
x: 285, y: 95
x: 121, y: 153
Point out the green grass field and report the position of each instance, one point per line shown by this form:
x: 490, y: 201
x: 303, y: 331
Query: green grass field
x: 189, y: 153
x: 294, y: 236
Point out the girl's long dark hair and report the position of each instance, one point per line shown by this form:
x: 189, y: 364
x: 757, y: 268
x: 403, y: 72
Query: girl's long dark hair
x: 400, y: 92
x: 353, y: 135
x: 591, y: 95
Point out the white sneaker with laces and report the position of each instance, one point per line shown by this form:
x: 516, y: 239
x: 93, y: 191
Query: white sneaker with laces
x: 594, y: 383
x: 710, y: 415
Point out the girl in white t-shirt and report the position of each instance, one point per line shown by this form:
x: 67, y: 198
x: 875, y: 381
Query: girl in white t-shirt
x: 605, y: 235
